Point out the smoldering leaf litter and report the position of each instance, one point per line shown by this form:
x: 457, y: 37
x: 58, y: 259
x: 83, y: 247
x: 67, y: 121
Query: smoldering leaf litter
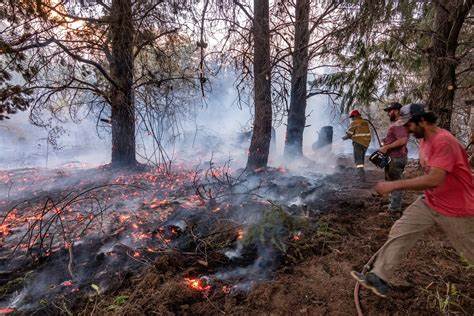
x: 57, y: 244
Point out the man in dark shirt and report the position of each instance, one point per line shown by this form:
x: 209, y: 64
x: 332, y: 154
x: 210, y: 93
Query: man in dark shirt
x: 395, y: 145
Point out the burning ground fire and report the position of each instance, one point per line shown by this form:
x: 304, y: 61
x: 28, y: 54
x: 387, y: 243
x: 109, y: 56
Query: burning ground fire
x: 92, y: 226
x: 198, y: 284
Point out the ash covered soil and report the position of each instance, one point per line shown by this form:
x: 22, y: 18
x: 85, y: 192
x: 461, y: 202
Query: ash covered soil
x: 276, y: 243
x: 313, y: 277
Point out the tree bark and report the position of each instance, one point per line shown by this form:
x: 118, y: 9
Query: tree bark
x: 447, y: 24
x: 297, y: 111
x: 122, y: 96
x: 262, y: 126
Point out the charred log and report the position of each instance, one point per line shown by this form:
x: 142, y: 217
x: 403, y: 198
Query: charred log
x: 324, y: 138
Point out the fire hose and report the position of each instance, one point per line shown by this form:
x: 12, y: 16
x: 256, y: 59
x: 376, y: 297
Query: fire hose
x: 375, y: 132
x: 366, y: 268
x: 371, y: 260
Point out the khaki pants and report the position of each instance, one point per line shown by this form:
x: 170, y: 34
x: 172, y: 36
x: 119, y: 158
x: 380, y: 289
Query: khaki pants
x: 416, y: 219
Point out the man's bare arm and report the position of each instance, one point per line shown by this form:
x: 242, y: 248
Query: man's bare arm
x: 398, y: 143
x: 433, y: 179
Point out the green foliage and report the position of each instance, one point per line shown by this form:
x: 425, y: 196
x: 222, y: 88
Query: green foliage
x: 121, y: 299
x: 326, y: 231
x: 381, y: 55
x: 274, y: 228
x: 11, y: 286
x: 447, y: 301
x: 466, y: 263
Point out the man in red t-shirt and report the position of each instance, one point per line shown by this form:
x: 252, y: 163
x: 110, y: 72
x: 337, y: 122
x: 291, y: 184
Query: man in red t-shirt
x: 395, y: 145
x: 448, y: 199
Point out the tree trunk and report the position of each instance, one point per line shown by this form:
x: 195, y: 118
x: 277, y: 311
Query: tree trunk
x: 122, y: 99
x: 448, y: 21
x: 299, y: 75
x: 262, y: 126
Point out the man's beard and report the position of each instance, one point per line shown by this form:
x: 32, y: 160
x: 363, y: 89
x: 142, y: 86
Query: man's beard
x: 419, y: 132
x: 393, y: 118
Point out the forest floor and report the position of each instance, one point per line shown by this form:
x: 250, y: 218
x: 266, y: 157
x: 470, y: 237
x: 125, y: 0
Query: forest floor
x: 433, y: 279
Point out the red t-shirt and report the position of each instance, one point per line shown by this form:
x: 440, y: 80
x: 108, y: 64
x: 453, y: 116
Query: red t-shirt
x: 395, y: 132
x: 455, y: 196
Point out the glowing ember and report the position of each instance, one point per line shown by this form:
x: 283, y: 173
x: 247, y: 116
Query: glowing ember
x: 7, y: 310
x: 198, y: 284
x: 226, y: 289
x: 4, y: 230
x: 158, y: 203
x: 123, y: 218
x: 67, y: 283
x: 297, y: 236
x: 282, y: 169
x: 120, y: 208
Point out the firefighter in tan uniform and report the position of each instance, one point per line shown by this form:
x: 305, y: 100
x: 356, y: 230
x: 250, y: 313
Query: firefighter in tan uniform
x: 359, y: 133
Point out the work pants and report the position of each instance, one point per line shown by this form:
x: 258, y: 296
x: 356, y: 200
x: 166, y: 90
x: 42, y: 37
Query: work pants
x: 416, y: 219
x: 394, y: 171
x: 359, y: 154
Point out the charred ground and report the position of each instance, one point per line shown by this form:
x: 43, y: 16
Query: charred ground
x: 294, y: 238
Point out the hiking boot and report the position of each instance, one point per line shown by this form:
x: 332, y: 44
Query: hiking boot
x: 372, y: 282
x: 361, y: 174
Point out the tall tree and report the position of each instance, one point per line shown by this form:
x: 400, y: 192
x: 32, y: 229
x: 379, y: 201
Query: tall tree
x: 299, y: 78
x: 121, y: 95
x: 262, y: 126
x: 404, y: 50
x: 449, y: 17
x: 109, y: 56
x: 292, y: 55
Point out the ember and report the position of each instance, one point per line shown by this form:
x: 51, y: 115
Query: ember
x: 198, y: 284
x: 226, y: 289
x: 159, y: 155
x: 4, y: 311
x: 297, y: 236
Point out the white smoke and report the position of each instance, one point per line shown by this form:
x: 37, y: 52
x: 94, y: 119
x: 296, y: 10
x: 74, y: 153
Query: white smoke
x: 211, y: 129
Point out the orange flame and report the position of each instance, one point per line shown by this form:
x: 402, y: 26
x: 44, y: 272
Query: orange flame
x: 197, y: 284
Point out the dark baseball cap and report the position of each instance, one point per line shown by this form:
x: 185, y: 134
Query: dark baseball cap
x: 407, y: 112
x: 393, y: 106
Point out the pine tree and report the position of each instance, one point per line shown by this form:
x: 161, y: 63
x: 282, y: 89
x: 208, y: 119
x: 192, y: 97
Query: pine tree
x: 262, y: 126
x: 59, y: 55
